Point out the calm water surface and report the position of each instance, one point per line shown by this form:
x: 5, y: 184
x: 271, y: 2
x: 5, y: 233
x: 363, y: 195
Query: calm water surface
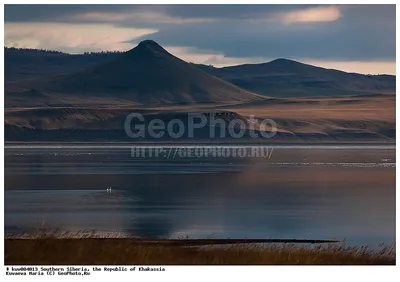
x: 291, y: 192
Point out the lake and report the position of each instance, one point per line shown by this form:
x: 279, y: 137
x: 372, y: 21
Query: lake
x: 299, y: 192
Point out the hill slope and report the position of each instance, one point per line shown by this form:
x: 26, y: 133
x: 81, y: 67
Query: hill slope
x: 147, y: 74
x: 287, y: 78
x: 28, y: 64
x: 279, y: 78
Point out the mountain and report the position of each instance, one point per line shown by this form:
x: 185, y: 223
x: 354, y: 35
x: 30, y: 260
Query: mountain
x: 278, y: 78
x: 52, y: 96
x: 147, y: 74
x: 287, y: 78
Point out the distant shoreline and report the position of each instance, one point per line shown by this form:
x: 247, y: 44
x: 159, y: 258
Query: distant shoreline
x: 206, y: 143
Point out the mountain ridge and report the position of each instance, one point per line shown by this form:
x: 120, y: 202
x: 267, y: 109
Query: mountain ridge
x: 289, y: 78
x: 279, y: 78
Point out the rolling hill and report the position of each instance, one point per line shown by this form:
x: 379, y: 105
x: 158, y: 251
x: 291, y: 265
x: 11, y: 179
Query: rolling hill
x: 147, y: 74
x: 287, y: 78
x: 278, y: 78
x: 57, y: 97
x: 29, y: 64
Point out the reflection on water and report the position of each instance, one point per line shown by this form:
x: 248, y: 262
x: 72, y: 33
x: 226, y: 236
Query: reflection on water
x: 314, y: 193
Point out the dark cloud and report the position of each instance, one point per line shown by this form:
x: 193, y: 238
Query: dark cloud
x: 39, y: 13
x: 56, y: 13
x: 363, y: 32
x: 336, y: 41
x: 229, y: 11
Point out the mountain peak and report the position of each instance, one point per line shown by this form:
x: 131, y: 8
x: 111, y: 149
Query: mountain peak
x: 282, y: 61
x: 149, y: 42
x: 148, y: 74
x: 150, y: 46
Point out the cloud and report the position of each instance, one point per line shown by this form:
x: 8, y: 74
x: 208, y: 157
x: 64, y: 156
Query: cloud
x: 343, y: 40
x: 209, y: 57
x: 310, y: 15
x: 138, y: 16
x: 73, y: 38
x: 214, y: 34
x: 66, y: 13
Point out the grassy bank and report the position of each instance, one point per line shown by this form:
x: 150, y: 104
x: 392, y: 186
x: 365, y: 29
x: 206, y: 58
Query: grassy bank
x: 126, y: 251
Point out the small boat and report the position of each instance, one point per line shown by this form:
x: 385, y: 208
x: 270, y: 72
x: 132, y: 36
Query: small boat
x: 109, y: 189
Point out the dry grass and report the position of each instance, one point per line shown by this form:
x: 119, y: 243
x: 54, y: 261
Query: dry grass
x: 49, y: 250
x: 334, y: 119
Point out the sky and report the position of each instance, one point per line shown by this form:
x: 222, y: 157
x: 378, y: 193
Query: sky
x: 353, y: 38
